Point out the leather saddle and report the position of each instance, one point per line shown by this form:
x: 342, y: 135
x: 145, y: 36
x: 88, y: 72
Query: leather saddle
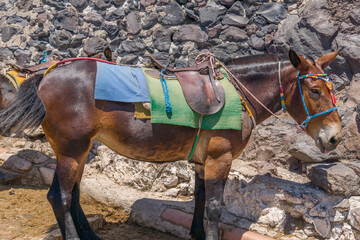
x: 23, y: 71
x: 203, y: 92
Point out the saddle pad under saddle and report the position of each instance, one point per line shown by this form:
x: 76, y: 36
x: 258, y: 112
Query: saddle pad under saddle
x: 229, y: 116
x: 120, y: 84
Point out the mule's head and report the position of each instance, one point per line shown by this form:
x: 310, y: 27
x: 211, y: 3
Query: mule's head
x: 7, y: 92
x: 325, y: 129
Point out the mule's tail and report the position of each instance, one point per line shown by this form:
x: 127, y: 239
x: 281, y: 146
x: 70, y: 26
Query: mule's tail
x: 27, y: 110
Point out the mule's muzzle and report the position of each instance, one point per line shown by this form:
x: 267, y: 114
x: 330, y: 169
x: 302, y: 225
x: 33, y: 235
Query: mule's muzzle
x: 328, y: 141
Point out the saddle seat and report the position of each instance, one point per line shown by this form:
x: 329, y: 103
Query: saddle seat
x: 202, y: 91
x: 23, y: 71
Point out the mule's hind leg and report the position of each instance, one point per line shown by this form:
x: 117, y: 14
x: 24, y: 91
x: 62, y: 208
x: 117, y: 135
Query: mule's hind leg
x: 81, y: 223
x: 197, y: 227
x: 216, y: 173
x: 64, y: 192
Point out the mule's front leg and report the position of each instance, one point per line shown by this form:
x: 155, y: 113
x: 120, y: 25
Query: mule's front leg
x: 216, y: 172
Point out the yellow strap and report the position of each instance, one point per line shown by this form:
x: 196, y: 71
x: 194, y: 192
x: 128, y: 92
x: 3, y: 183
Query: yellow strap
x: 12, y: 79
x: 50, y: 68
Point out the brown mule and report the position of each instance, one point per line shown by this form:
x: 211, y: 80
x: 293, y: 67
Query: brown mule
x: 72, y: 119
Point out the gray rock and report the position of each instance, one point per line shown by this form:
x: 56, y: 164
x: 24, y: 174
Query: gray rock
x: 112, y: 29
x: 35, y: 157
x: 319, y: 21
x: 25, y: 5
x: 210, y: 13
x: 190, y: 32
x: 354, y: 212
x: 60, y: 39
x: 9, y: 31
x: 150, y: 20
x: 19, y: 163
x: 235, y: 20
x: 355, y: 16
x: 101, y: 4
x: 162, y: 39
x: 227, y: 3
x: 80, y: 5
x: 171, y: 181
x: 174, y: 14
x: 322, y: 226
x: 133, y: 22
x: 335, y: 178
x: 77, y: 41
x: 272, y: 12
x: 47, y: 174
x: 256, y: 42
x: 233, y: 34
x: 133, y: 45
x: 351, y: 51
x: 303, y: 149
x: 118, y: 13
x: 22, y: 57
x: 238, y: 9
x: 192, y: 14
x: 214, y: 31
x: 129, y: 59
x: 94, y: 18
x: 7, y: 176
x: 67, y: 19
x: 5, y: 54
x: 146, y: 3
x: 94, y: 45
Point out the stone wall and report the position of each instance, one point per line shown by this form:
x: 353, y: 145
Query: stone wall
x: 272, y: 185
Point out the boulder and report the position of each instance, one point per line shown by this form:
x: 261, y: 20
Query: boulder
x: 94, y: 45
x: 60, y: 39
x: 210, y: 13
x: 335, y: 178
x: 272, y: 12
x: 256, y: 42
x: 9, y: 31
x: 190, y: 32
x: 233, y: 34
x: 80, y: 5
x: 133, y: 22
x: 67, y: 19
x: 235, y: 20
x: 173, y: 14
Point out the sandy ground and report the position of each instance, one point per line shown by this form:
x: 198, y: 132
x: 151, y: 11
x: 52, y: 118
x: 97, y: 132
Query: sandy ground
x: 25, y: 213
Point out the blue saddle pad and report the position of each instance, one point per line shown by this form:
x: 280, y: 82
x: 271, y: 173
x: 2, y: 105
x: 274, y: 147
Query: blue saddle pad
x: 120, y: 84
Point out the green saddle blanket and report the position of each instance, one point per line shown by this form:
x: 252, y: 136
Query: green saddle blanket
x: 229, y: 117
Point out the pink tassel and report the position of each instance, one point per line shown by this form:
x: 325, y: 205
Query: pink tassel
x: 332, y: 98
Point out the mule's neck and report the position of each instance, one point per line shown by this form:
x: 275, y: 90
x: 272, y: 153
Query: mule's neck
x: 262, y: 80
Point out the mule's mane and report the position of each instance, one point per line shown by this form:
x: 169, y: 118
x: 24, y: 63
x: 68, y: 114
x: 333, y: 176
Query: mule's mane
x: 256, y: 67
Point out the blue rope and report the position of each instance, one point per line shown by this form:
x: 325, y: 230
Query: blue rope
x: 305, y: 123
x: 44, y: 59
x: 166, y: 91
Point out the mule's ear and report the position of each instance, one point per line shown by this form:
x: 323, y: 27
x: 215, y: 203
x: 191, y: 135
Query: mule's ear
x: 325, y: 60
x: 298, y: 61
x: 108, y: 54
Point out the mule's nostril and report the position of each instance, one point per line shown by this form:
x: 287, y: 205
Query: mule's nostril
x: 332, y: 140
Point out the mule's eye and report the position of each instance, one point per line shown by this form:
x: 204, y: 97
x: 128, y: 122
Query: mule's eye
x: 315, y: 91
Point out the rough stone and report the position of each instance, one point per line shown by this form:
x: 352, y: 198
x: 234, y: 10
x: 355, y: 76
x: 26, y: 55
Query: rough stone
x: 256, y: 42
x: 112, y: 29
x: 233, y: 34
x: 355, y: 16
x: 19, y: 163
x: 174, y: 14
x: 101, y: 4
x: 171, y: 181
x: 210, y: 13
x: 238, y: 9
x: 303, y: 149
x: 94, y: 18
x: 146, y: 3
x: 94, y: 45
x: 80, y: 5
x: 66, y: 19
x: 133, y: 45
x: 133, y: 22
x: 354, y: 212
x: 60, y: 39
x: 8, y: 32
x: 22, y: 57
x: 235, y: 20
x: 149, y: 21
x: 162, y: 39
x: 116, y: 14
x: 8, y: 176
x: 335, y: 178
x: 190, y: 32
x: 5, y: 54
x: 273, y: 12
x: 47, y: 174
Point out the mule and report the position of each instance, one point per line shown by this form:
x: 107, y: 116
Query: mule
x: 63, y: 104
x: 9, y: 88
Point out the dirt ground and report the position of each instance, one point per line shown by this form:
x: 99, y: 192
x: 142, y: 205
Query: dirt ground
x: 26, y: 214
